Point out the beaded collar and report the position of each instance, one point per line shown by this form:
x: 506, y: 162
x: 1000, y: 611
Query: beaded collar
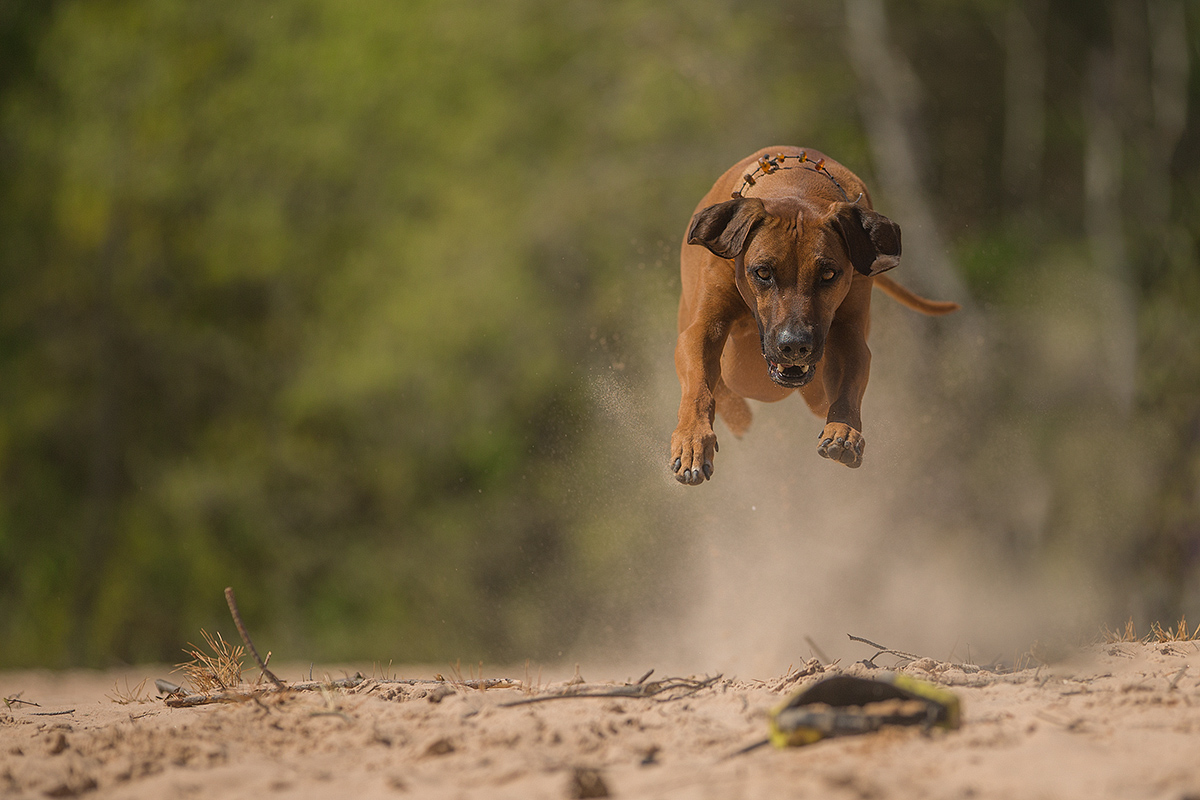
x: 769, y: 164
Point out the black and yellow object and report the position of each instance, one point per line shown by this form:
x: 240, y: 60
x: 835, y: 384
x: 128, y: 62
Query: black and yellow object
x: 843, y: 705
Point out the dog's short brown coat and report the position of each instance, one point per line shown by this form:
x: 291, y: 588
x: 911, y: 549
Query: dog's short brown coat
x: 776, y: 298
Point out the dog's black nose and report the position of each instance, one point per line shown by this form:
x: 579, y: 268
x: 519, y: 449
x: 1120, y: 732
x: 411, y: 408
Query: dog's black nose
x: 794, y: 343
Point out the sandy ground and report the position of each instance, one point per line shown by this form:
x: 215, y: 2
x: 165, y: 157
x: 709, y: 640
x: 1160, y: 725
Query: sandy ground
x: 1119, y: 720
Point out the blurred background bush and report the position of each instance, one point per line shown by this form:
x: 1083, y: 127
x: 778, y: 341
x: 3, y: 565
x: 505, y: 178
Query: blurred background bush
x: 313, y: 299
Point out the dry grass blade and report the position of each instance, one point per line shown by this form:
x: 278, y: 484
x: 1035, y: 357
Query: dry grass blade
x: 1160, y: 635
x: 1157, y: 635
x: 127, y: 695
x: 1115, y: 637
x: 220, y: 669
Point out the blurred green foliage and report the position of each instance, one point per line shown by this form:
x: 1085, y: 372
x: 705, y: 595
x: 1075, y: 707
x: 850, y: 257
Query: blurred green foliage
x: 306, y: 297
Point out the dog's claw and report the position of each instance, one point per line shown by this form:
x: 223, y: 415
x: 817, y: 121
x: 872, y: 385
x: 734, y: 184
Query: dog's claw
x: 692, y: 455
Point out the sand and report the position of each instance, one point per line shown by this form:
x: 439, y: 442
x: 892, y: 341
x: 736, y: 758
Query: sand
x: 1117, y: 720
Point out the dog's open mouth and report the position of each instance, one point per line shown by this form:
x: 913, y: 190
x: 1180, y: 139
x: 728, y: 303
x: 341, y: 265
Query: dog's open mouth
x: 791, y: 376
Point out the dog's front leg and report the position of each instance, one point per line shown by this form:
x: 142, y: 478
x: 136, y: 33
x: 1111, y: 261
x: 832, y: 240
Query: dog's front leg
x: 698, y: 364
x: 847, y: 368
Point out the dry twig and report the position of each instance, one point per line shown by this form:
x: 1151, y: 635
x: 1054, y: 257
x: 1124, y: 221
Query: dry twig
x: 240, y: 695
x: 882, y: 650
x: 673, y: 688
x: 237, y: 620
x: 15, y: 700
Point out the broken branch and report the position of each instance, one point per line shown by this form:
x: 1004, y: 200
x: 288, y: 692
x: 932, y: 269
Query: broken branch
x: 237, y: 620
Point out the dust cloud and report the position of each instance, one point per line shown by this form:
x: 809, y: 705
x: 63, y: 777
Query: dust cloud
x: 930, y: 547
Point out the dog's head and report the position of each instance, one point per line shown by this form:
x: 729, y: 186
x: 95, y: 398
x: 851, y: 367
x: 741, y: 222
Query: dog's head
x: 793, y: 264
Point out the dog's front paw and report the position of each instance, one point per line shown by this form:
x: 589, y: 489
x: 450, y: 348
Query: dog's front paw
x: 692, y: 454
x: 843, y: 444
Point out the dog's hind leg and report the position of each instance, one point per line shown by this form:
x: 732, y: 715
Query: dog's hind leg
x: 733, y: 408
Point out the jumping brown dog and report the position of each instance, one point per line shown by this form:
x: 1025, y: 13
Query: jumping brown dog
x: 777, y: 297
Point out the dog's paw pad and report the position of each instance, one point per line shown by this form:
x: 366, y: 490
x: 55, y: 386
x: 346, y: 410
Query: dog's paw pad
x: 842, y: 444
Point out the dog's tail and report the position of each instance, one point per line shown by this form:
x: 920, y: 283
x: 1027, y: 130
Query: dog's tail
x: 733, y: 408
x: 906, y: 297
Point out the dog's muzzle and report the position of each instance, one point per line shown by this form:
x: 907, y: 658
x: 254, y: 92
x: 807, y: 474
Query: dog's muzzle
x: 791, y: 376
x: 790, y: 354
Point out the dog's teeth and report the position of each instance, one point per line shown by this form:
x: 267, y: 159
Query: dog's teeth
x: 804, y: 367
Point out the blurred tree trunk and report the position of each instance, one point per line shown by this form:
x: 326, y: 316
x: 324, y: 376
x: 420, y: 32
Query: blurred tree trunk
x: 1148, y: 111
x: 1150, y: 65
x: 1024, y: 38
x: 890, y: 100
x: 1169, y: 75
x: 1105, y: 225
x: 1134, y: 110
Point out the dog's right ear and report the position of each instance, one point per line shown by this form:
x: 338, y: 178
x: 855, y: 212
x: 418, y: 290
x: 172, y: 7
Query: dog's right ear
x: 873, y: 240
x: 724, y: 228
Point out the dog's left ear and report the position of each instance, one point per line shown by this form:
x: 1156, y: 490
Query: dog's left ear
x: 872, y: 239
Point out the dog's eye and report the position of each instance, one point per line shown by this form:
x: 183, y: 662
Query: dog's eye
x: 828, y: 274
x: 763, y: 274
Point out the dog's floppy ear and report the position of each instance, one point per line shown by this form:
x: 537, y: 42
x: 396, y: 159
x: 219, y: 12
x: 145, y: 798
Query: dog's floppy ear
x: 872, y: 239
x: 724, y: 228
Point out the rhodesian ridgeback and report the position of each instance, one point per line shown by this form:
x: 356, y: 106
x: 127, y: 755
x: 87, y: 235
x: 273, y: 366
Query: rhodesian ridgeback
x: 777, y: 298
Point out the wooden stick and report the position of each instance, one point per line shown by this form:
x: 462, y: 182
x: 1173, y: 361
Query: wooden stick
x: 351, y: 682
x: 237, y: 620
x: 241, y: 695
x: 687, y: 687
x: 882, y: 649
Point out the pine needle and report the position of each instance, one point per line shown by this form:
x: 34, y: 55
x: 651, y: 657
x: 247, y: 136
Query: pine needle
x: 219, y: 669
